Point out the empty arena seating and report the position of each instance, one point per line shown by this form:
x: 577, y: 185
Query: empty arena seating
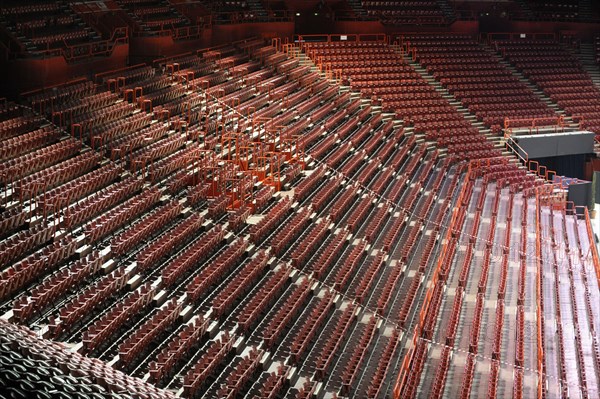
x: 381, y: 73
x: 228, y: 223
x: 563, y: 10
x: 46, y: 26
x: 540, y: 60
x: 476, y: 78
x: 153, y: 15
x: 405, y: 12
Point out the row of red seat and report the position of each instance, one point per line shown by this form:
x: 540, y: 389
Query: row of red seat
x: 359, y: 352
x: 137, y: 343
x: 237, y: 219
x: 376, y: 222
x: 14, y: 247
x: 353, y: 163
x: 197, y: 194
x: 329, y: 254
x: 12, y: 147
x: 382, y: 182
x: 197, y: 251
x: 12, y: 219
x: 145, y: 228
x: 19, y: 124
x: 342, y: 273
x: 323, y: 196
x: 60, y: 173
x: 369, y: 278
x: 311, y: 327
x: 159, y: 149
x: 411, y: 295
x: 30, y: 163
x: 309, y: 242
x: 108, y: 222
x: 168, y: 242
x: 240, y: 284
x: 274, y: 383
x: 359, y: 212
x: 102, y: 117
x: 290, y: 309
x: 80, y: 187
x: 242, y: 372
x: 476, y: 323
x: 262, y: 198
x: 383, y: 366
x: 218, y: 267
x: 275, y: 215
x: 439, y: 380
x: 128, y: 76
x: 410, y: 386
x: 101, y: 201
x: 24, y: 272
x: 333, y: 342
x: 218, y: 206
x: 367, y: 173
x: 263, y: 298
x: 135, y: 144
x: 176, y: 349
x: 55, y: 286
x: 86, y: 301
x: 292, y: 229
x: 77, y: 106
x: 215, y: 354
x: 106, y: 326
x: 387, y: 290
x: 320, y: 150
x: 117, y: 129
x: 57, y: 94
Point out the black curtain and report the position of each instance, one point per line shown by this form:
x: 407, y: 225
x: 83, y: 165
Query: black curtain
x: 566, y: 165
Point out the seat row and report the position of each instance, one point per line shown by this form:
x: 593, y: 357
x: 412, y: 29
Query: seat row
x: 79, y: 187
x: 26, y: 164
x: 359, y: 352
x: 308, y: 243
x: 60, y: 173
x: 242, y: 372
x: 12, y: 147
x: 212, y: 273
x: 107, y: 223
x: 168, y: 242
x: 110, y: 322
x: 137, y: 343
x: 288, y: 310
x: 341, y: 275
x: 198, y: 251
x: 54, y: 287
x: 101, y: 201
x: 333, y: 342
x: 214, y: 355
x: 331, y: 252
x: 262, y: 298
x: 293, y: 228
x: 87, y: 300
x: 311, y: 327
x: 17, y: 276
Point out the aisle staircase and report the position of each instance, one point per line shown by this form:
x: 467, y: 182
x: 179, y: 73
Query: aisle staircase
x: 587, y: 57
